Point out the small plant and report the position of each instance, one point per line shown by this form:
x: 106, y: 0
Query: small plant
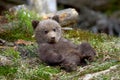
x: 44, y: 72
x: 25, y: 17
x: 8, y: 71
x: 13, y: 54
x: 21, y: 27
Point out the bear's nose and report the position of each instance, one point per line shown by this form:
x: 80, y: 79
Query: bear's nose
x: 53, y: 38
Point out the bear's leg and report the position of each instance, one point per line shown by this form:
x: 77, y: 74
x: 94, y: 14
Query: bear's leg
x: 70, y: 63
x: 87, y: 53
x: 51, y: 58
x: 69, y: 66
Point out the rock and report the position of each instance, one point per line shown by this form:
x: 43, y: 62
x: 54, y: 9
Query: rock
x: 4, y: 61
x: 65, y: 17
x: 6, y: 43
x: 15, y: 9
x: 2, y: 42
x: 6, y: 27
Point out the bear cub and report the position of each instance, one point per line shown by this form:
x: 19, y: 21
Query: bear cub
x: 56, y: 50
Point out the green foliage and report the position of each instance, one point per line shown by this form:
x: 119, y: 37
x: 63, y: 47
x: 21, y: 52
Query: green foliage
x: 8, y: 72
x: 44, y: 72
x: 81, y: 35
x: 25, y: 18
x: 21, y: 25
x: 41, y: 72
x: 11, y: 53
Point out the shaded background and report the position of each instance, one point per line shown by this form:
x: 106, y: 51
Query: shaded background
x: 98, y: 16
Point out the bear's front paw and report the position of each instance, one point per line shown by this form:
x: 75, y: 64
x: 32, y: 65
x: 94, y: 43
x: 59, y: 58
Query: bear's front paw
x: 69, y: 67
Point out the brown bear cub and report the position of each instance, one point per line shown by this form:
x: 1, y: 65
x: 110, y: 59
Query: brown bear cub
x: 56, y: 50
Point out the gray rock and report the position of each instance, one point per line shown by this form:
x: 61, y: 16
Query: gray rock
x: 4, y: 61
x: 2, y: 42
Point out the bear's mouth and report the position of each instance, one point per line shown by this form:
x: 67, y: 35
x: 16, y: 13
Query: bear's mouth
x: 52, y: 42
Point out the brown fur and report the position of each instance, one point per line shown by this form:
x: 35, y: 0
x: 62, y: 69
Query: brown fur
x: 55, y: 50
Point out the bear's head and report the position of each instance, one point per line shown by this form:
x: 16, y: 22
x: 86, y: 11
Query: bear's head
x: 47, y: 31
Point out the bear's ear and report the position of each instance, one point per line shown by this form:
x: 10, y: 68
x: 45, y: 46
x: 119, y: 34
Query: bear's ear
x: 56, y: 18
x: 35, y: 23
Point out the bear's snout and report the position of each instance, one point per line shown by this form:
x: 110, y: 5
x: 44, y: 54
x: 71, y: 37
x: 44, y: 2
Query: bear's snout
x: 52, y: 37
x: 52, y: 40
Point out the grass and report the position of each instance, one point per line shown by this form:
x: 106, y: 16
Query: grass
x: 92, y: 69
x: 29, y: 68
x: 26, y: 65
x: 40, y: 72
x: 113, y: 75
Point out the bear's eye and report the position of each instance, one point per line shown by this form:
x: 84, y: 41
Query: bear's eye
x: 46, y: 32
x: 54, y: 30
